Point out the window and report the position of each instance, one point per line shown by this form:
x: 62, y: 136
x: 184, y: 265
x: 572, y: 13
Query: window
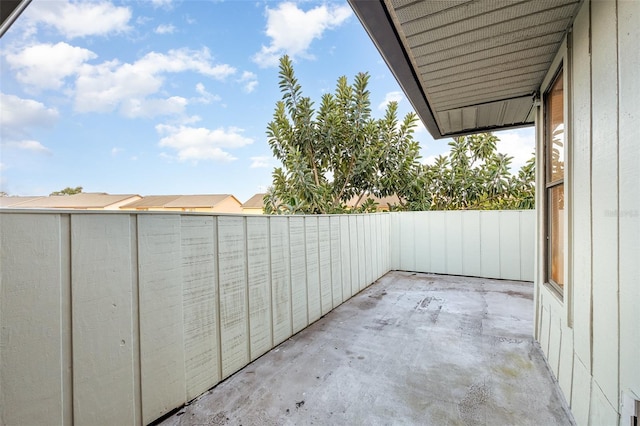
x: 555, y: 148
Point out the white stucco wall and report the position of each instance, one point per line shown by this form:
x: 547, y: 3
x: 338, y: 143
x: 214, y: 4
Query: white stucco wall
x: 592, y: 335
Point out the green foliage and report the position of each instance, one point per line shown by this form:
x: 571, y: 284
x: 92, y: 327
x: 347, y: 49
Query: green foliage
x: 339, y: 151
x: 474, y: 176
x: 68, y: 191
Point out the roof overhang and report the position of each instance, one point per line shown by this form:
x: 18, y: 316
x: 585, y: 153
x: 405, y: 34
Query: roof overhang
x: 9, y: 12
x: 468, y: 66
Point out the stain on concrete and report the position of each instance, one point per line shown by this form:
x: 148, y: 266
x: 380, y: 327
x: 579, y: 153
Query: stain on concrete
x: 379, y: 295
x: 411, y: 349
x: 473, y: 406
x: 527, y: 295
x: 379, y: 324
x: 219, y: 419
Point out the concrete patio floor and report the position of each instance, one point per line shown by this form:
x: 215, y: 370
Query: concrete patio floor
x: 410, y: 349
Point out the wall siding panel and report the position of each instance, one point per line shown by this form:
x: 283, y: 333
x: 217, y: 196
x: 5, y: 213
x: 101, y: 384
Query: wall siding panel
x: 103, y: 340
x: 581, y: 391
x: 605, y: 199
x: 345, y: 250
x: 31, y: 345
x: 362, y: 264
x: 368, y: 249
x: 161, y: 316
x: 314, y: 302
x: 422, y: 242
x: 336, y: 260
x: 527, y: 245
x: 298, y: 273
x: 258, y: 273
x: 324, y: 240
x: 280, y: 279
x: 510, y: 245
x: 200, y: 299
x: 438, y: 242
x: 490, y: 245
x: 454, y: 241
x: 353, y: 247
x: 406, y: 239
x: 629, y: 200
x: 394, y: 241
x: 581, y: 188
x: 471, y: 243
x: 234, y: 309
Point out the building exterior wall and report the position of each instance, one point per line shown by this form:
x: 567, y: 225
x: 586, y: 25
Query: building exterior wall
x: 252, y: 210
x: 228, y: 205
x: 591, y: 334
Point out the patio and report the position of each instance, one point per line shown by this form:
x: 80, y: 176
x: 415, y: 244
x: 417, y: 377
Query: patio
x: 412, y: 348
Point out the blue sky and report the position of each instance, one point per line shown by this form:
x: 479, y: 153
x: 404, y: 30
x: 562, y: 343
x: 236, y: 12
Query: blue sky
x: 173, y: 96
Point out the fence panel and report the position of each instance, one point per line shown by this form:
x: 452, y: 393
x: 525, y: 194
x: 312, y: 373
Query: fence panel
x: 162, y: 306
x: 491, y: 244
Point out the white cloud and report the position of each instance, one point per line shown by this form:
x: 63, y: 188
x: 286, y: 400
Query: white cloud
x: 115, y: 151
x: 29, y: 145
x: 165, y: 29
x: 190, y: 119
x: 134, y: 108
x: 199, y: 143
x: 80, y: 19
x: 110, y: 85
x: 45, y: 66
x: 205, y: 96
x: 261, y: 162
x: 292, y: 30
x: 429, y: 160
x: 420, y: 127
x: 250, y: 81
x: 390, y: 97
x: 162, y: 3
x: 19, y: 116
x: 519, y: 144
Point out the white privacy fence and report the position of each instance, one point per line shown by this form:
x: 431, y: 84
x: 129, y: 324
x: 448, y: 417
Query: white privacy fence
x: 490, y: 244
x: 118, y: 318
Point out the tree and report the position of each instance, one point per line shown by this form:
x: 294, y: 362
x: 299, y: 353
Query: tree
x: 339, y: 151
x: 475, y: 176
x: 68, y: 191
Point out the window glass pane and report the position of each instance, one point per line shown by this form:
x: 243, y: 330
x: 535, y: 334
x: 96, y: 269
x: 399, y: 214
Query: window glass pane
x: 555, y: 129
x: 556, y: 234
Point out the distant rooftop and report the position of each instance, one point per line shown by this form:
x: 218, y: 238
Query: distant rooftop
x: 84, y: 200
x: 15, y: 201
x: 179, y: 201
x: 382, y: 202
x: 255, y: 202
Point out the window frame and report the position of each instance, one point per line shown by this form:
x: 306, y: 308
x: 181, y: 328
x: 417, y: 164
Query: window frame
x: 550, y: 182
x: 564, y: 294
